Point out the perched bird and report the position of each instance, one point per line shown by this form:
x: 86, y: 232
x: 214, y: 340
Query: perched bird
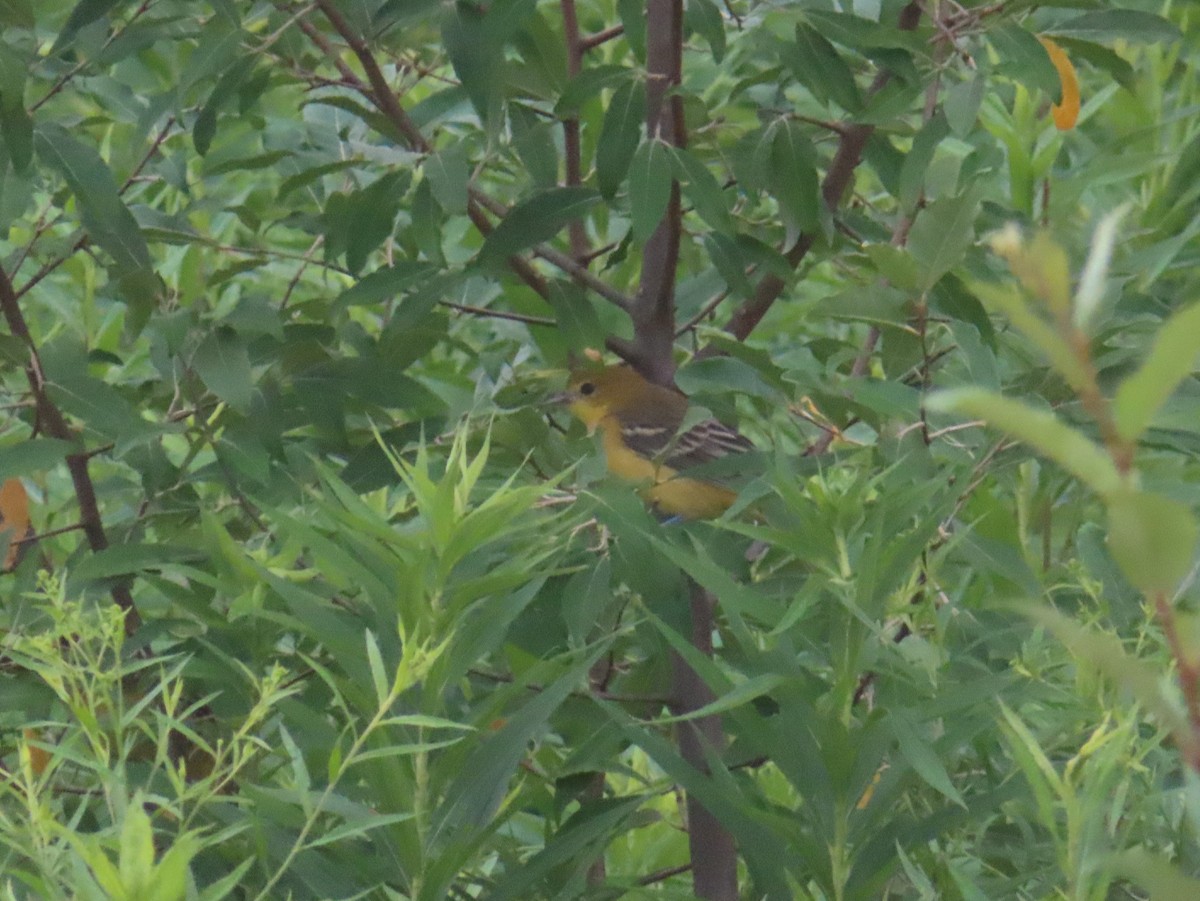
x: 639, y: 423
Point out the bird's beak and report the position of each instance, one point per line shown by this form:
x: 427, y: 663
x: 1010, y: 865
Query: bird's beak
x: 562, y: 398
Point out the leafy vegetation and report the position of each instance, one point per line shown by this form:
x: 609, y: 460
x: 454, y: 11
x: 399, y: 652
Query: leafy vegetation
x: 307, y: 593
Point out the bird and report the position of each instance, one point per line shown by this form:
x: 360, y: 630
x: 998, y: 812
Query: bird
x: 639, y: 424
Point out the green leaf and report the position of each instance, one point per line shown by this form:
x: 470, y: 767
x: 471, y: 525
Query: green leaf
x: 921, y: 756
x: 701, y: 188
x: 223, y: 364
x: 16, y: 127
x: 729, y: 261
x: 136, y: 855
x: 649, y: 187
x: 104, y: 409
x: 1107, y: 653
x: 1102, y: 58
x: 449, y: 176
x: 820, y: 68
x: 537, y: 219
x: 1118, y: 25
x: 740, y: 694
x: 1156, y: 874
x: 961, y: 104
x: 105, y: 217
x: 703, y: 17
x: 633, y: 22
x: 619, y: 136
x: 84, y: 13
x: 918, y: 158
x: 217, y: 45
x: 384, y: 284
x: 587, y: 85
x: 1048, y: 788
x: 378, y: 676
x: 535, y: 143
x: 1009, y: 301
x: 576, y: 316
x: 17, y: 13
x: 227, y: 86
x: 860, y: 33
x: 793, y: 175
x: 370, y: 217
x: 34, y: 455
x: 1171, y: 359
x: 1042, y: 430
x: 129, y: 559
x: 475, y: 55
x: 941, y: 235
x: 1152, y: 538
x: 1095, y: 272
x: 1024, y: 59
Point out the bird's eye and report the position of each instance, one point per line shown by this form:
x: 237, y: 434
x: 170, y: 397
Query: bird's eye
x: 586, y: 388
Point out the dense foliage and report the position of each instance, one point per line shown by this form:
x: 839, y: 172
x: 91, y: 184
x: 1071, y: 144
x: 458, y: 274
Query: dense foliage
x: 309, y: 595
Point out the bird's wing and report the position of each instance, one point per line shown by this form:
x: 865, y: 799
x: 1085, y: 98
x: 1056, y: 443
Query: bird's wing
x: 702, y: 443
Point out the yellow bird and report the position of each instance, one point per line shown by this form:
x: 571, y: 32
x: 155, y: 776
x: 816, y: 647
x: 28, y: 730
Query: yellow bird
x: 639, y: 425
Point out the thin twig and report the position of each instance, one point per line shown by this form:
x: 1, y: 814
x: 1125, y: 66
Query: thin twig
x: 592, y: 41
x: 52, y: 421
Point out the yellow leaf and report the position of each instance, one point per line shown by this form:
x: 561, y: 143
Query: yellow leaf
x: 39, y: 758
x: 1065, y: 114
x: 14, y: 518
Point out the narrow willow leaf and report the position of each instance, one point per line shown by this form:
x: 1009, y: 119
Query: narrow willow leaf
x: 1152, y: 538
x: 701, y: 188
x: 1042, y: 430
x: 619, y: 136
x: 1025, y: 59
x: 1118, y: 24
x: 1008, y: 300
x: 378, y: 676
x: 941, y: 235
x: 1047, y: 785
x: 1156, y: 874
x: 105, y: 216
x: 820, y: 68
x: 1143, y: 394
x: 922, y: 757
x: 792, y: 174
x: 1091, y: 282
x: 649, y: 187
x: 223, y: 364
x: 1106, y: 652
x: 537, y: 219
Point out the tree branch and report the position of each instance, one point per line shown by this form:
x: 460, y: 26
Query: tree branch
x: 52, y: 421
x: 712, y: 850
x: 571, y: 143
x: 653, y: 313
x: 837, y: 179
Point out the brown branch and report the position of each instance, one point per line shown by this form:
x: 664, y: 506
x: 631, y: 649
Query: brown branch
x: 653, y: 313
x: 51, y: 420
x: 564, y: 262
x: 380, y: 94
x: 593, y: 41
x: 571, y: 141
x: 712, y: 850
x: 485, y: 313
x: 83, y: 240
x: 837, y: 179
x: 1189, y: 678
x: 65, y: 79
x: 664, y: 874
